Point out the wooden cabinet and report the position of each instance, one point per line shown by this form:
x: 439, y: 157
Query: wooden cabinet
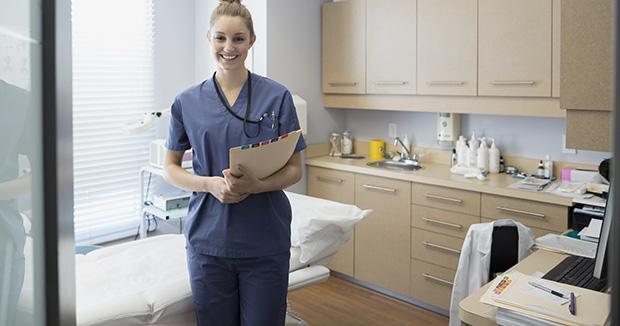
x: 337, y: 186
x: 586, y: 73
x: 391, y: 47
x: 555, y: 48
x: 440, y: 218
x: 447, y: 47
x: 382, y: 240
x: 344, y: 47
x: 535, y: 214
x: 514, y: 50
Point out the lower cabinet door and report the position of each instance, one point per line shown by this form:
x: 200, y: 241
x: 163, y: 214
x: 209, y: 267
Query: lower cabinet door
x: 431, y: 284
x: 382, y: 240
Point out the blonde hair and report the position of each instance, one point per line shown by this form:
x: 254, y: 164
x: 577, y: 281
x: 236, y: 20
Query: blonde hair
x: 233, y: 8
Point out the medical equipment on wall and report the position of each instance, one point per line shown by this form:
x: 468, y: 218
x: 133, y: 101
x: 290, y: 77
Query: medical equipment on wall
x: 448, y: 127
x: 167, y: 202
x: 147, y: 122
x: 157, y: 154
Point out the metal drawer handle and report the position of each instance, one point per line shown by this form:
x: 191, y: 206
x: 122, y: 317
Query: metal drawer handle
x: 452, y: 225
x: 329, y: 179
x: 513, y: 82
x: 343, y: 84
x: 453, y: 200
x: 512, y: 210
x: 370, y: 187
x: 392, y: 82
x: 437, y: 279
x: 446, y: 82
x: 432, y: 245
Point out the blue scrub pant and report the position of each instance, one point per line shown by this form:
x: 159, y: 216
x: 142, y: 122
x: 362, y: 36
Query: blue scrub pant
x: 239, y: 291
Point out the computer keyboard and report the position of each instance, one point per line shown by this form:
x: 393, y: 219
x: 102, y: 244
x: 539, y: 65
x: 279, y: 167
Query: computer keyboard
x: 577, y: 271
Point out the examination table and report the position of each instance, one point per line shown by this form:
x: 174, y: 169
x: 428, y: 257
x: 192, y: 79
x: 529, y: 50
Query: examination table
x: 146, y: 282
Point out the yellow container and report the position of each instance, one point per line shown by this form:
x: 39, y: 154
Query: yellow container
x: 377, y: 148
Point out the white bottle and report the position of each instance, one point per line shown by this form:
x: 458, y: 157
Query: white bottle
x: 483, y: 157
x: 471, y: 156
x: 548, y: 166
x: 461, y: 151
x: 473, y: 142
x: 494, y: 158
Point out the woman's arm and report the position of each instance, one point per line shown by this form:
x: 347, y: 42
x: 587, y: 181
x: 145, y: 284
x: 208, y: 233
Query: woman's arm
x: 180, y: 178
x: 248, y: 183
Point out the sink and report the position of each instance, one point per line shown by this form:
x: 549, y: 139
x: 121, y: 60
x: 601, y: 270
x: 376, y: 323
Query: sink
x: 396, y: 165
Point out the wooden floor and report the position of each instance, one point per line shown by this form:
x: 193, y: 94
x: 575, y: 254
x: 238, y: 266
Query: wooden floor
x: 341, y: 303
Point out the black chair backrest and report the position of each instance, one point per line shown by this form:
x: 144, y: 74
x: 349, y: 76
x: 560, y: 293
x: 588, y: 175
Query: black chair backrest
x: 504, y: 249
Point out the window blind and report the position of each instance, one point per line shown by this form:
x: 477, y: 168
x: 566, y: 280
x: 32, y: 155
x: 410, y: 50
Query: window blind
x: 113, y: 83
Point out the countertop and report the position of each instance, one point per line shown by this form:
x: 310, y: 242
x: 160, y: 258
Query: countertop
x: 439, y: 175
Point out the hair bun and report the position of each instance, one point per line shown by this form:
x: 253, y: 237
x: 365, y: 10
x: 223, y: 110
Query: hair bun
x: 231, y: 1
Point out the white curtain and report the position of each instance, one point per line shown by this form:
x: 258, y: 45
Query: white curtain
x: 112, y: 84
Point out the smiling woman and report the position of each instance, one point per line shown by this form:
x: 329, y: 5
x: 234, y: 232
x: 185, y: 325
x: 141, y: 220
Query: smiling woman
x: 238, y: 228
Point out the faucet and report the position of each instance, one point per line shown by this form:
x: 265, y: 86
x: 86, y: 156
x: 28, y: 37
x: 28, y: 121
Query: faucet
x: 405, y: 154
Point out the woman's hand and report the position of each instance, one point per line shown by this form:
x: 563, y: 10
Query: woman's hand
x: 246, y: 183
x: 219, y: 188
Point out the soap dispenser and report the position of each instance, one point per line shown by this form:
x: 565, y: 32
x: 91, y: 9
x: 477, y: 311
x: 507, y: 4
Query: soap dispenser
x: 494, y: 158
x: 461, y: 151
x: 483, y: 156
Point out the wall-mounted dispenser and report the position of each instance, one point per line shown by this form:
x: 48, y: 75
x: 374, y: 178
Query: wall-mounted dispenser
x: 448, y: 127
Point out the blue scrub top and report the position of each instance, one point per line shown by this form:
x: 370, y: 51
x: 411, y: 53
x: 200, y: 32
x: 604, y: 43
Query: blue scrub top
x: 260, y: 224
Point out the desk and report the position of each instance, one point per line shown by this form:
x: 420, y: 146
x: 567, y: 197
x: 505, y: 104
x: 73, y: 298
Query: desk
x: 473, y: 312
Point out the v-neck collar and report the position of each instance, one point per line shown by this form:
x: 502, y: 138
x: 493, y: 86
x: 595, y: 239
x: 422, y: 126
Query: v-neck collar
x: 242, y: 93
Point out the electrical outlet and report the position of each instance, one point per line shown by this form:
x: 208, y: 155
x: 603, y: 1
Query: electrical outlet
x: 567, y: 150
x: 392, y: 130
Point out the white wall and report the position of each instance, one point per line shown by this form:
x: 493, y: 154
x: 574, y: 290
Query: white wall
x: 174, y: 53
x: 516, y: 136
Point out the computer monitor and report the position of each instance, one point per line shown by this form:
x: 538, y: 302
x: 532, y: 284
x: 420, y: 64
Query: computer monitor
x: 600, y: 265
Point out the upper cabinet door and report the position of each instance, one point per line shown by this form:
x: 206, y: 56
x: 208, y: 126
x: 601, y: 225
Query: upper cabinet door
x: 344, y: 47
x: 391, y: 47
x: 447, y: 47
x: 514, y: 48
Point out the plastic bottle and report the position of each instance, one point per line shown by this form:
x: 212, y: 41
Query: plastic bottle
x: 502, y: 166
x: 483, y: 157
x: 473, y: 142
x: 472, y: 159
x: 541, y: 169
x: 548, y: 167
x: 494, y: 158
x: 461, y: 151
x: 453, y: 159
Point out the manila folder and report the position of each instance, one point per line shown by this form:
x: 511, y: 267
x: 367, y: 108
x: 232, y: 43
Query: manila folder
x: 264, y: 158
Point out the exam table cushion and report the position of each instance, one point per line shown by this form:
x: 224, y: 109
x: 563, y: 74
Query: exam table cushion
x: 138, y: 282
x: 319, y: 227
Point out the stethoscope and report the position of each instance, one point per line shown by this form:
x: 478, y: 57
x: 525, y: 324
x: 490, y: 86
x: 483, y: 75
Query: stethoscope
x: 247, y: 108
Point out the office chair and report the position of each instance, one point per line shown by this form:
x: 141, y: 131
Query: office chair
x: 504, y: 249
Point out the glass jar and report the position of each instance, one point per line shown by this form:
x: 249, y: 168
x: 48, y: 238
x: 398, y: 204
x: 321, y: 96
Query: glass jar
x: 335, y: 143
x: 347, y: 143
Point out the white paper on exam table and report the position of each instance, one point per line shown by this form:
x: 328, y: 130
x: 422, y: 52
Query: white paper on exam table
x: 561, y: 243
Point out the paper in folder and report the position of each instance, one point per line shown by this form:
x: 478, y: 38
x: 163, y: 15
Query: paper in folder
x: 264, y: 158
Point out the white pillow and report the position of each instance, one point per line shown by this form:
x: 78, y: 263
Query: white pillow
x: 319, y: 227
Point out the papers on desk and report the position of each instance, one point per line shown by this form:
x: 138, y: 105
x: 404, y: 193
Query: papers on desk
x: 564, y: 244
x: 513, y: 292
x: 531, y: 183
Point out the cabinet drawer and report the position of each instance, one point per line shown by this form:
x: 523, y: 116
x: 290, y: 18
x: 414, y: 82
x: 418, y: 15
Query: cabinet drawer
x: 531, y: 213
x: 331, y: 184
x: 440, y: 249
x: 461, y: 201
x: 431, y: 284
x: 382, y: 194
x: 441, y: 221
x: 537, y: 232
